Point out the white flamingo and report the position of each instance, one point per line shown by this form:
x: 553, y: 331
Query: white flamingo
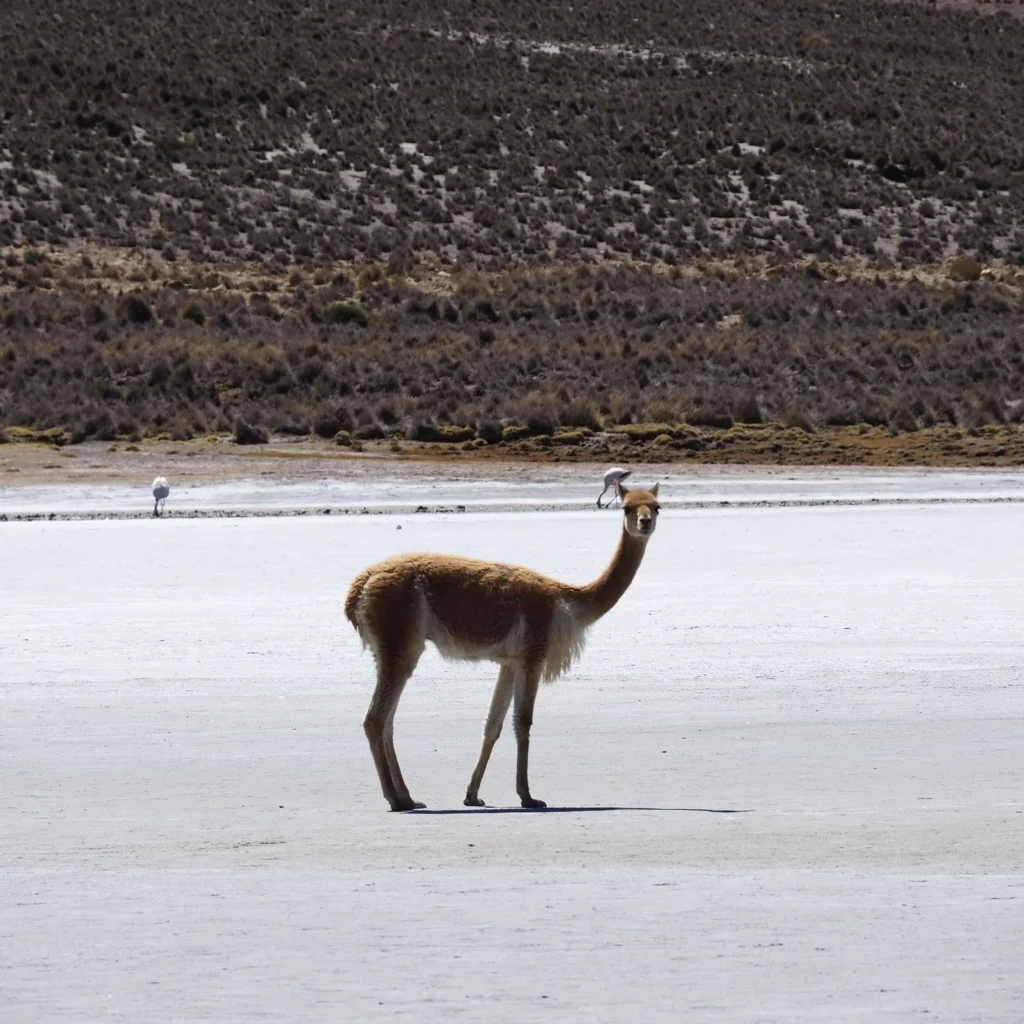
x: 612, y: 478
x: 161, y: 488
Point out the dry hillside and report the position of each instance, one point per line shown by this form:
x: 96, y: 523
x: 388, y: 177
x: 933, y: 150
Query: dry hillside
x: 389, y: 218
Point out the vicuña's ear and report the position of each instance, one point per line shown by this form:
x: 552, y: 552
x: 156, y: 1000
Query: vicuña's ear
x: 621, y: 488
x: 654, y: 489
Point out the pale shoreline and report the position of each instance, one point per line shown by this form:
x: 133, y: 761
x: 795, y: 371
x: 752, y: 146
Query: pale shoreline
x: 232, y: 483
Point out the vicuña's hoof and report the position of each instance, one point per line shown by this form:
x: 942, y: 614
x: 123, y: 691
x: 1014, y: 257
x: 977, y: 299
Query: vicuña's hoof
x: 411, y: 805
x: 474, y: 801
x: 530, y: 802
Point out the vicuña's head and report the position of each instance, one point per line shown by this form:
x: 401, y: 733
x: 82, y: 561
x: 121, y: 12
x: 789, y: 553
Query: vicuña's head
x: 640, y: 510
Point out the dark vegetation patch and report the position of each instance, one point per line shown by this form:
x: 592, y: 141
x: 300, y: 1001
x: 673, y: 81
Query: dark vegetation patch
x: 708, y: 349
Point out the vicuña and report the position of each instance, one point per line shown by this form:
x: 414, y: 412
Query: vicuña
x: 532, y: 626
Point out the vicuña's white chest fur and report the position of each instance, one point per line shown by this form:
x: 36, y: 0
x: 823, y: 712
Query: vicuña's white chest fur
x: 566, y: 640
x: 563, y: 644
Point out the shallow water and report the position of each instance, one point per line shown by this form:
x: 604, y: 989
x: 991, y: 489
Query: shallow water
x: 519, y: 487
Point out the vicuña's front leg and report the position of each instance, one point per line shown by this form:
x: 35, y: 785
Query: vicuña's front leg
x: 522, y: 719
x: 500, y: 700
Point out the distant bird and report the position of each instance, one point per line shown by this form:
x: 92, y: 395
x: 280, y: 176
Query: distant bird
x: 612, y: 478
x: 161, y: 488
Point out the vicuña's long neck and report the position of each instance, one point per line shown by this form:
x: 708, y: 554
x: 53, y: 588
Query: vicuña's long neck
x: 600, y: 597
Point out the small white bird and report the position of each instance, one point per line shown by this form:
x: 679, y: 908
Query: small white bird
x: 161, y: 488
x: 612, y: 478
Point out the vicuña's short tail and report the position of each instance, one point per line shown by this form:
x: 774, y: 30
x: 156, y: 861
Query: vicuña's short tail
x: 354, y: 593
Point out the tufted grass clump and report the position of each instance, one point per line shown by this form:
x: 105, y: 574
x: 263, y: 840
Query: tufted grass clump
x: 640, y: 432
x: 454, y: 434
x: 577, y: 436
x: 20, y: 434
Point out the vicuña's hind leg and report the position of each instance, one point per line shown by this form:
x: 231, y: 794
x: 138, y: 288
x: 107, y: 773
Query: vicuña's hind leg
x: 392, y: 675
x: 406, y: 801
x: 500, y: 700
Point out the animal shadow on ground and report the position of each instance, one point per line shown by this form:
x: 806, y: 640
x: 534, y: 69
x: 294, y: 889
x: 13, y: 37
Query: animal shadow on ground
x: 576, y: 810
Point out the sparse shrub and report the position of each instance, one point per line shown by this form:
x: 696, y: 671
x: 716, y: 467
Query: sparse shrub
x: 134, y: 309
x: 483, y: 310
x: 368, y: 432
x: 309, y: 370
x: 748, y: 410
x: 902, y: 420
x: 4, y: 437
x: 98, y: 426
x: 870, y: 411
x: 328, y: 422
x: 840, y: 415
x: 541, y: 420
x: 94, y: 314
x: 796, y: 417
x: 659, y: 411
x: 515, y: 433
x: 984, y: 411
x: 260, y: 305
x: 246, y: 433
x: 343, y: 437
x: 489, y: 431
x: 423, y: 431
x: 710, y: 417
x: 194, y: 312
x: 293, y: 428
x: 346, y: 313
x: 578, y: 413
x: 159, y: 373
